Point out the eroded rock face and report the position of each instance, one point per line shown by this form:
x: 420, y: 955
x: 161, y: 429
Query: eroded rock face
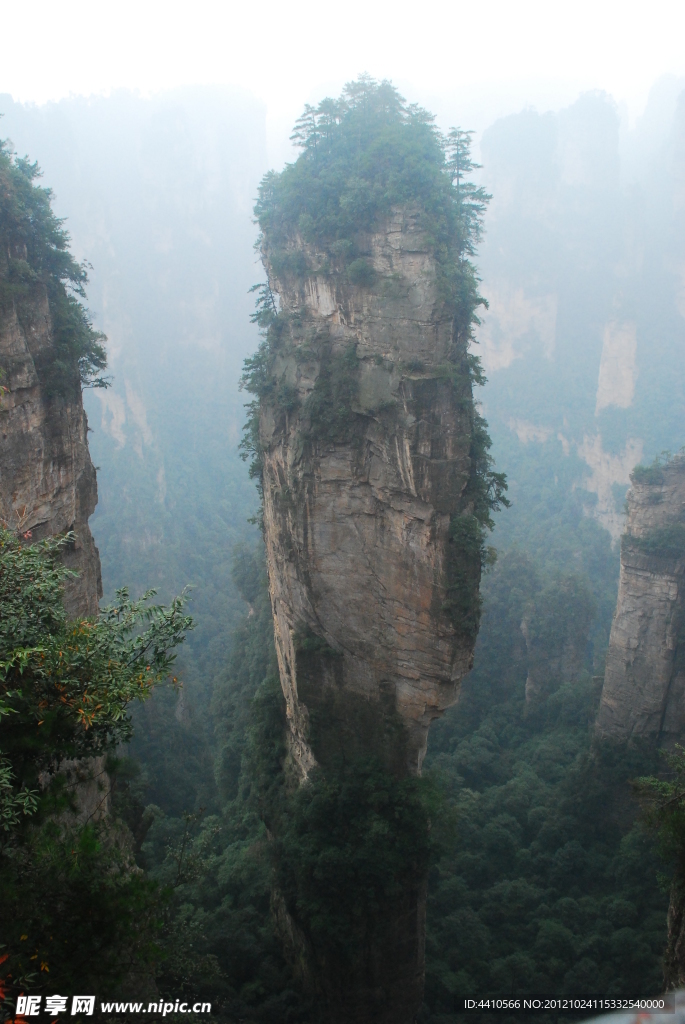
x: 365, y: 461
x: 644, y: 684
x: 47, y: 487
x: 366, y: 436
x: 47, y: 480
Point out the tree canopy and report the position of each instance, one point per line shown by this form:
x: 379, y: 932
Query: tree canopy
x: 363, y: 154
x: 65, y: 684
x: 69, y: 899
x: 34, y: 250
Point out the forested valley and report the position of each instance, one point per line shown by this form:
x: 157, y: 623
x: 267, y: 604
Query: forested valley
x: 545, y: 871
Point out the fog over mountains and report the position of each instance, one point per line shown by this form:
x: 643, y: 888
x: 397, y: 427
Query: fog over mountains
x: 548, y: 882
x: 582, y: 263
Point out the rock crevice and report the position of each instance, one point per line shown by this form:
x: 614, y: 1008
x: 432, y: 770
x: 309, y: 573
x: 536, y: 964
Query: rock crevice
x: 364, y: 464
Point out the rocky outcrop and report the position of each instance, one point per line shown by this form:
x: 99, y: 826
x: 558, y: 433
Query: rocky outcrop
x: 644, y: 684
x: 48, y: 487
x: 47, y: 479
x: 366, y: 440
x: 366, y: 459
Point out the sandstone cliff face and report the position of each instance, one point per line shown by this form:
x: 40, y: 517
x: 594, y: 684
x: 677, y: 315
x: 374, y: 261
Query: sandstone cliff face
x: 357, y: 521
x: 47, y: 480
x: 366, y: 434
x: 48, y: 486
x: 644, y: 685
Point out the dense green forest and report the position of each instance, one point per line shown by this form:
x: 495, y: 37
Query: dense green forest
x: 541, y: 876
x: 73, y: 909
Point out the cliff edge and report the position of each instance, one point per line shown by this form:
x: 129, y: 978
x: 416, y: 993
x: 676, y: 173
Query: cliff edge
x: 644, y: 684
x: 362, y: 474
x: 377, y: 494
x: 48, y: 352
x: 47, y: 479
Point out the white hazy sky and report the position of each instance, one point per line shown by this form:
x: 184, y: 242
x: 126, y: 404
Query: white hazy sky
x: 491, y: 55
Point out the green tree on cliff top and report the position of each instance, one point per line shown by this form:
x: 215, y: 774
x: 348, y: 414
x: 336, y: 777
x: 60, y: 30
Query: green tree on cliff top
x: 363, y: 154
x: 34, y: 252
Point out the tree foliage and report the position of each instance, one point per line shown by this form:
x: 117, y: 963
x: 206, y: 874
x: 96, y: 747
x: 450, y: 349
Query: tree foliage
x: 363, y: 154
x: 34, y: 254
x: 71, y: 900
x: 65, y: 685
x: 550, y: 884
x: 663, y: 801
x: 542, y: 880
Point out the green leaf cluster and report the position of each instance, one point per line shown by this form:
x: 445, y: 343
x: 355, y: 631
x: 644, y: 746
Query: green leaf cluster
x: 663, y: 801
x: 72, y: 907
x: 328, y: 409
x: 65, y: 685
x: 75, y: 914
x: 664, y: 542
x: 34, y: 255
x: 653, y: 473
x: 468, y: 552
x: 550, y: 882
x: 363, y: 155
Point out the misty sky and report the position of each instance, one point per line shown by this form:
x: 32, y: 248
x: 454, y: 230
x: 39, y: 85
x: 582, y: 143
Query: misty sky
x: 481, y: 58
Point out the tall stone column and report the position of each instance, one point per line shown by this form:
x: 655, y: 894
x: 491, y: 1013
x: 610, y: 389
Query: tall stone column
x: 644, y: 685
x: 366, y: 432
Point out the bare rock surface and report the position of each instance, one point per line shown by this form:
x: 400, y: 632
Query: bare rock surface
x: 47, y: 479
x: 357, y: 528
x: 644, y: 684
x: 366, y: 440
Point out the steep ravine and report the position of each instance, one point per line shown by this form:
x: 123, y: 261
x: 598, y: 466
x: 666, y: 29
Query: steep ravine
x: 643, y: 698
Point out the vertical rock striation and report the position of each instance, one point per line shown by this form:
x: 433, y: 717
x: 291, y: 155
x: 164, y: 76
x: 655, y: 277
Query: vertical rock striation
x: 48, y: 486
x: 47, y: 479
x: 48, y: 349
x: 644, y: 684
x: 377, y: 493
x: 366, y: 462
x: 674, y: 954
x: 357, y: 515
